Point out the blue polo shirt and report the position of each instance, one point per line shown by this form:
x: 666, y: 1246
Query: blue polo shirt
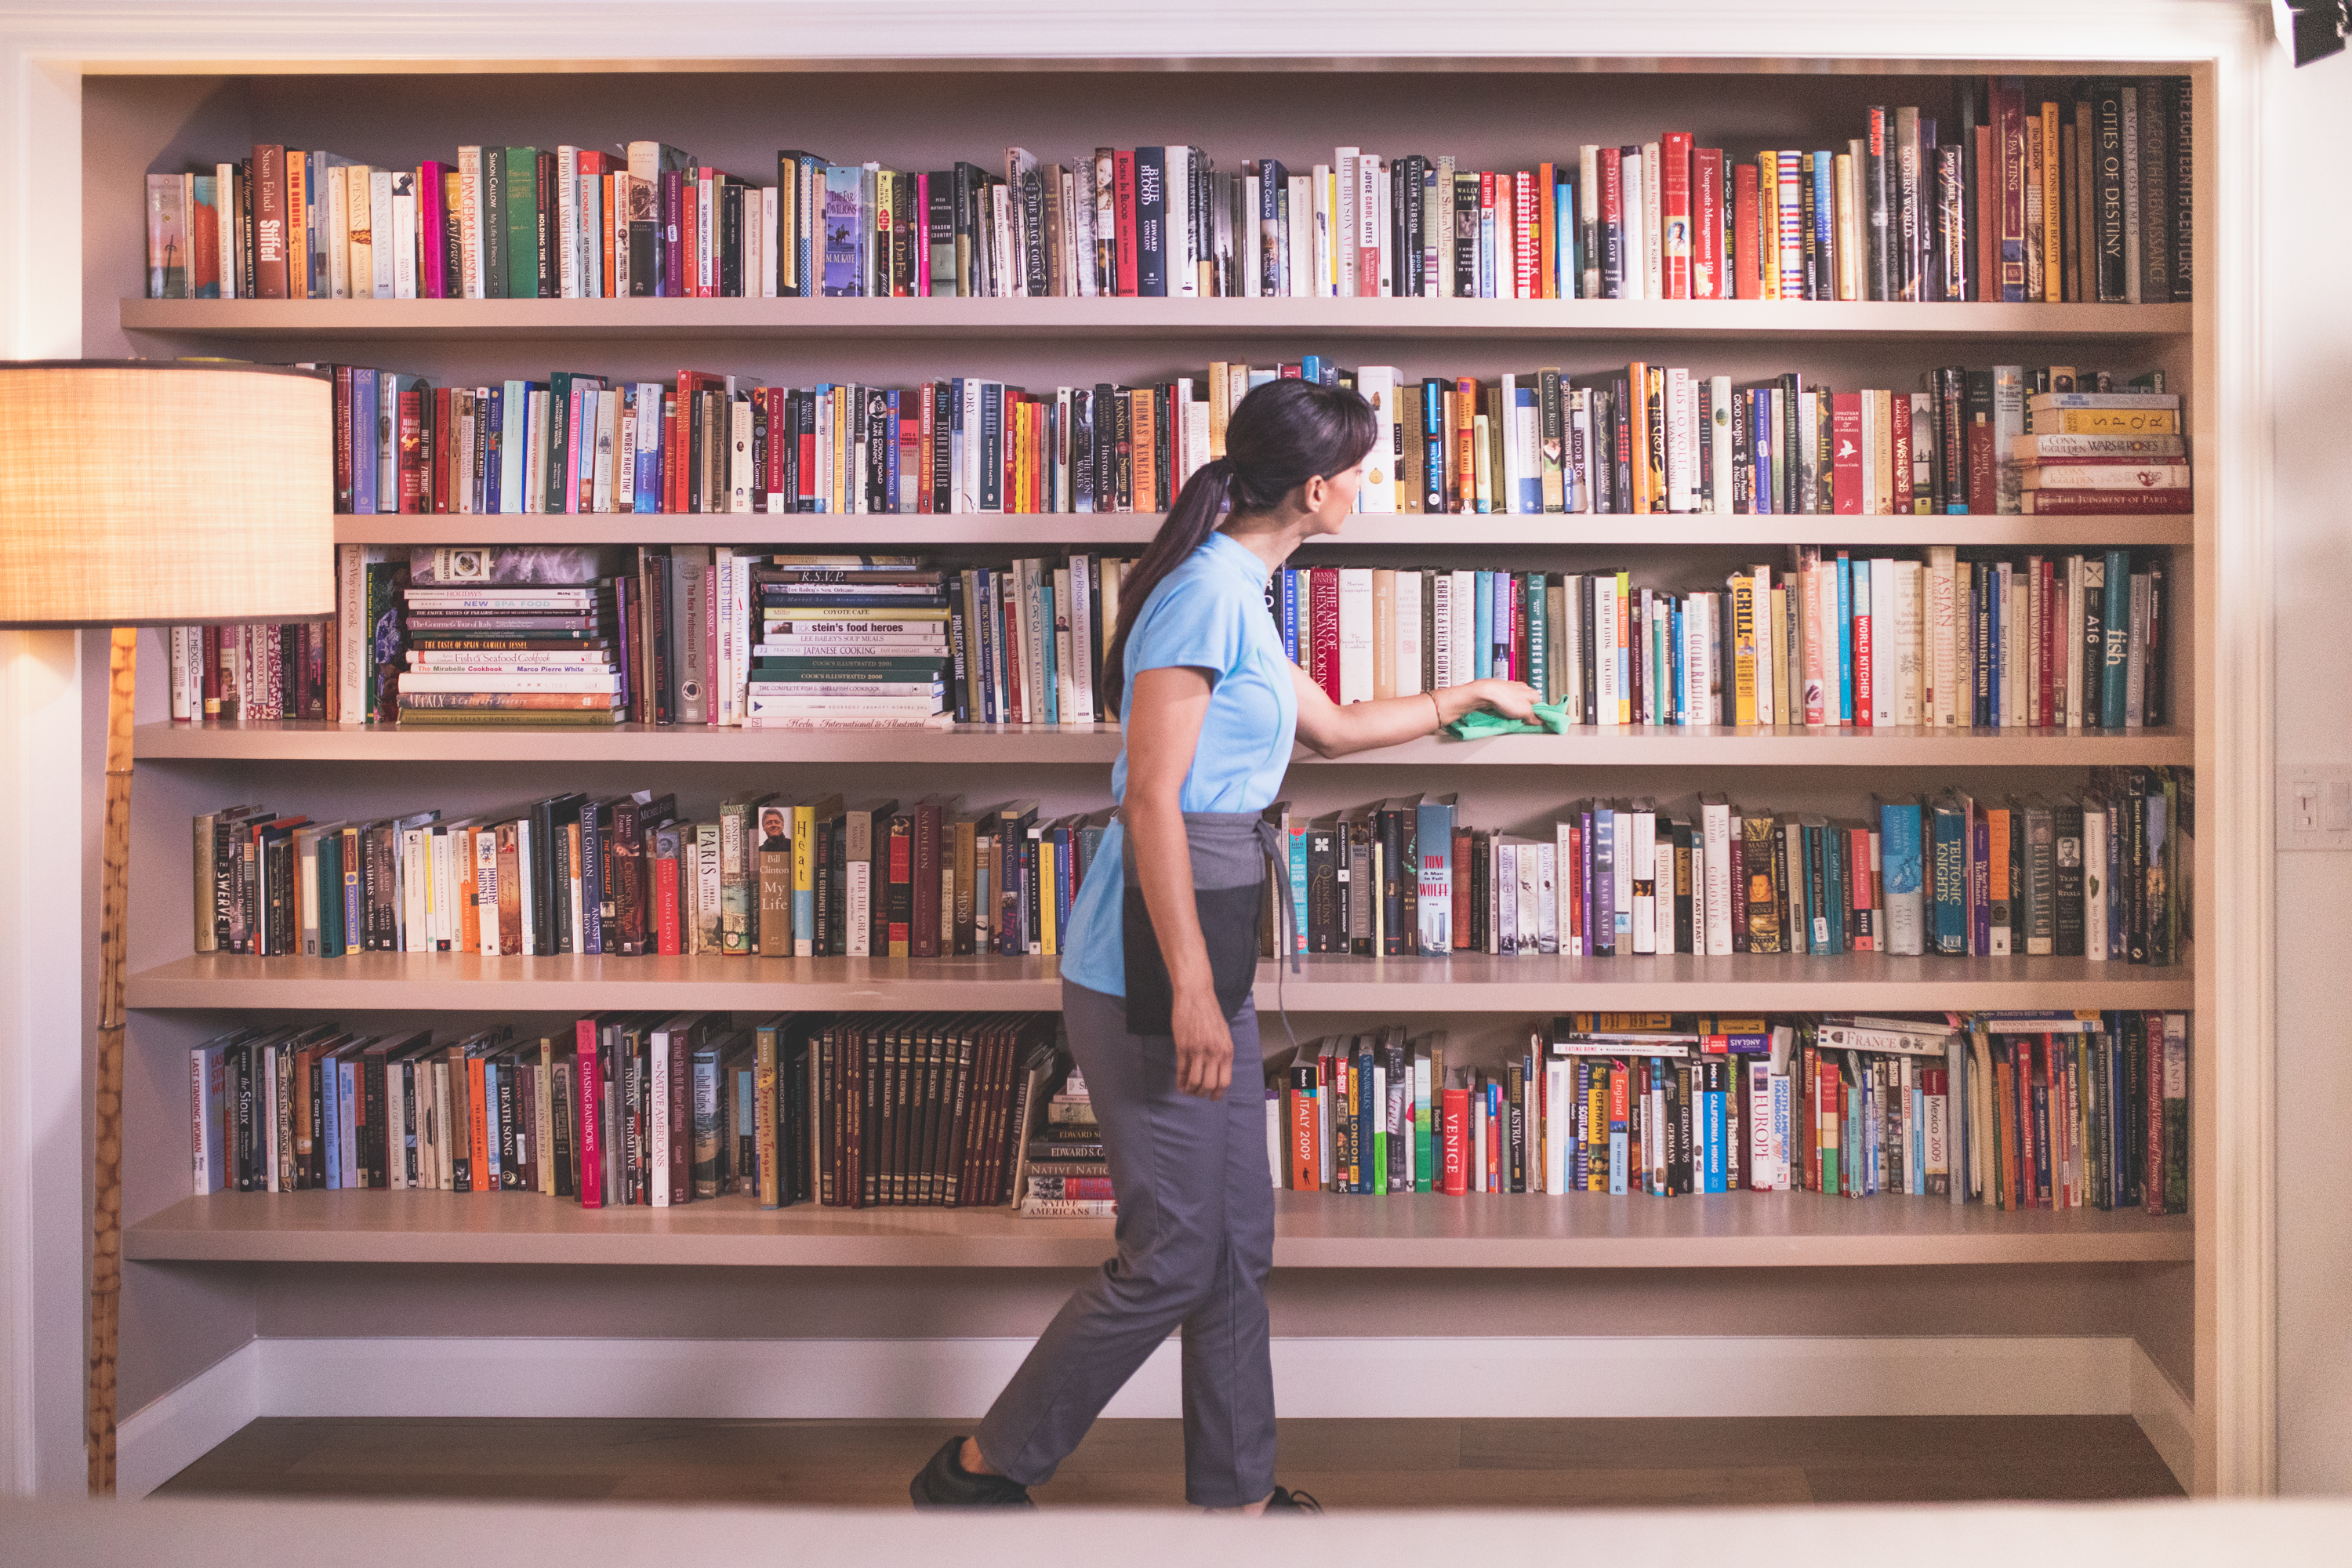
x: 1208, y: 615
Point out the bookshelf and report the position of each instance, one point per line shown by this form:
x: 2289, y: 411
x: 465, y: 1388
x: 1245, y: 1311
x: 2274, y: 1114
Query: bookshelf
x: 214, y: 1268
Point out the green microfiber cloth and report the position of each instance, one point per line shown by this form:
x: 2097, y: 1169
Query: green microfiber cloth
x: 1552, y: 719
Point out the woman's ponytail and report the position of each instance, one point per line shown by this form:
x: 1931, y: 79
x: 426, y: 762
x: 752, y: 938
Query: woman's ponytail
x: 1279, y: 437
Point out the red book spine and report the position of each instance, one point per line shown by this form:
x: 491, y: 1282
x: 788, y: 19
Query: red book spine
x: 1306, y: 1162
x: 1462, y: 850
x: 1518, y: 639
x: 690, y: 231
x: 1123, y: 190
x: 411, y: 450
x: 588, y: 1094
x: 2045, y: 706
x: 271, y: 232
x: 1987, y: 220
x: 1863, y: 640
x: 901, y: 876
x: 2090, y: 503
x: 342, y: 405
x: 1845, y: 453
x: 927, y: 429
x: 2029, y: 1151
x: 444, y: 435
x: 2008, y: 111
x: 1524, y: 285
x: 1454, y: 1142
x: 1323, y: 630
x: 1674, y: 211
x: 432, y: 225
x: 667, y: 933
x: 1865, y: 900
x: 1748, y: 278
x: 1707, y: 233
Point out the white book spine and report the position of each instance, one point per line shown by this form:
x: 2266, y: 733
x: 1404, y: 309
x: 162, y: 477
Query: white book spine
x: 1377, y: 383
x: 1715, y: 833
x: 657, y: 1117
x: 485, y: 889
x: 1465, y: 625
x: 1547, y: 893
x: 524, y: 851
x: 1408, y: 634
x: 1639, y: 875
x: 1681, y: 443
x: 1564, y: 889
x: 1604, y: 642
x: 2072, y: 718
x: 1355, y: 635
x: 1082, y: 639
x: 1943, y: 628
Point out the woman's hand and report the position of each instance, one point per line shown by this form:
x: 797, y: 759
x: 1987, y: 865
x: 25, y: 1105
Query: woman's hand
x: 1511, y: 699
x: 1204, y: 1044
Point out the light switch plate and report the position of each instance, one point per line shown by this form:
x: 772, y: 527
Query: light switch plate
x: 2314, y: 806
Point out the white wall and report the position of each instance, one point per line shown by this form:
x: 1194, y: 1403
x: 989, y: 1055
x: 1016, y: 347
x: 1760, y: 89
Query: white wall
x: 2308, y: 233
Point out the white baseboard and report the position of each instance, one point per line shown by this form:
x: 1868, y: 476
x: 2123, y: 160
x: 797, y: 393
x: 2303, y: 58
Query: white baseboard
x: 955, y: 1379
x: 2166, y: 1415
x: 166, y: 1437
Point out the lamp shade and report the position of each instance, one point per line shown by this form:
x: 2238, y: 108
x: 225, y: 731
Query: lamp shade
x: 155, y: 493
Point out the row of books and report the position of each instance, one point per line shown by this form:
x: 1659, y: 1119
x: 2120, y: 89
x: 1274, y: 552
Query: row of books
x: 632, y: 875
x: 2094, y: 875
x: 2079, y: 192
x: 2097, y: 875
x: 2016, y: 1111
x: 713, y: 634
x: 615, y: 1109
x: 1973, y: 638
x: 2044, y: 440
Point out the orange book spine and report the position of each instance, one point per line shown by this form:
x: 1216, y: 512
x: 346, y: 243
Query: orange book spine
x: 479, y: 1115
x: 1465, y: 445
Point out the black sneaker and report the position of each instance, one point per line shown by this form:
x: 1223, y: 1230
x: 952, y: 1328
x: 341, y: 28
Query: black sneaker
x: 1285, y: 1500
x: 945, y: 1483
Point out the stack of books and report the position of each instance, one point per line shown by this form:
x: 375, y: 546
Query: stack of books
x: 510, y: 637
x: 1067, y: 1174
x: 860, y: 647
x: 2096, y: 452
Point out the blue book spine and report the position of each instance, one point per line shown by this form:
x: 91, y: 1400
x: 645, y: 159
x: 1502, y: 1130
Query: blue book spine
x: 1826, y: 217
x: 1980, y: 672
x: 1713, y: 1107
x: 347, y: 1095
x: 591, y: 874
x: 1298, y: 851
x: 1482, y: 633
x: 1582, y: 872
x: 1679, y: 697
x: 1835, y: 885
x: 1580, y: 1149
x: 1859, y: 701
x: 991, y: 446
x: 1363, y: 1140
x: 1567, y: 279
x: 1530, y: 484
x: 1603, y: 839
x: 332, y: 1124
x: 1760, y: 430
x: 1846, y: 602
x: 1290, y: 614
x: 1949, y: 906
x: 844, y: 230
x: 363, y: 396
x: 2119, y: 630
x: 1980, y: 886
x: 352, y: 910
x: 1503, y: 657
x: 1152, y: 222
x: 1433, y: 841
x: 1488, y: 267
x: 1618, y: 1132
x: 1049, y: 662
x: 488, y: 1179
x: 1900, y: 868
x: 491, y: 448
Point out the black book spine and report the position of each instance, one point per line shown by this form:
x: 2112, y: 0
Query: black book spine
x: 2108, y: 190
x: 1877, y: 203
x: 549, y: 285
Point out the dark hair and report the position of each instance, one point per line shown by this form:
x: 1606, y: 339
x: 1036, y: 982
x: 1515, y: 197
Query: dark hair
x: 1279, y: 437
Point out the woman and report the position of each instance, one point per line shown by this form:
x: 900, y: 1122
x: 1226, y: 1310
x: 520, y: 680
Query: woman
x: 1163, y: 948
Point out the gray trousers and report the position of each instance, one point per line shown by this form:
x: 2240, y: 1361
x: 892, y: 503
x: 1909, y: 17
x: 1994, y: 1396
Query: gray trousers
x: 1196, y: 1240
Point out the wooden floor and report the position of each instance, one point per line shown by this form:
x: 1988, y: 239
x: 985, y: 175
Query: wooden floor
x: 1348, y: 1464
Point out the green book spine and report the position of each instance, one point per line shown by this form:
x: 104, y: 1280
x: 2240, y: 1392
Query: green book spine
x: 522, y: 189
x: 494, y: 223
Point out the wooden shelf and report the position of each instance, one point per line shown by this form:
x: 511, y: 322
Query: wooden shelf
x: 800, y: 531
x: 1312, y: 1230
x: 318, y: 321
x: 313, y: 741
x: 1469, y: 982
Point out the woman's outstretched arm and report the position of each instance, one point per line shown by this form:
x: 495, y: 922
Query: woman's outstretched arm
x: 1332, y: 731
